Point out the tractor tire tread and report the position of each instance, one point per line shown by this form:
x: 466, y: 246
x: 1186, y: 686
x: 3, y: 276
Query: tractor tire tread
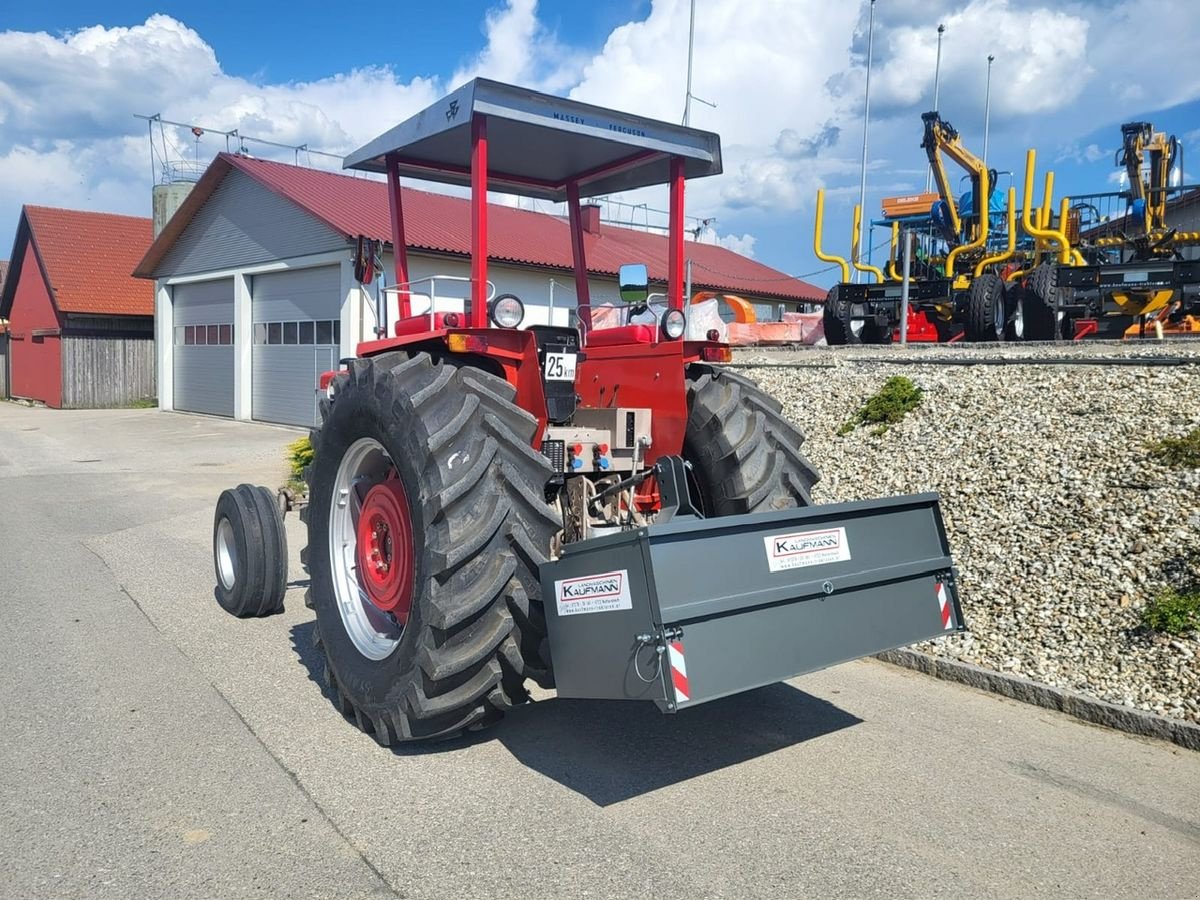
x: 745, y: 455
x: 476, y: 627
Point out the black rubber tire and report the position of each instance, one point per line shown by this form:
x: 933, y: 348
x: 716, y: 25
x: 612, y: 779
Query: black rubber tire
x: 836, y: 318
x: 986, y: 318
x: 257, y: 563
x: 745, y: 456
x: 873, y: 333
x: 1014, y: 329
x: 1041, y: 304
x: 481, y: 530
x: 275, y: 549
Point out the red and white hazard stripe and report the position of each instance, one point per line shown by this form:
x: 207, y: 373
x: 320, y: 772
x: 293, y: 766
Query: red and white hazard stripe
x: 944, y: 603
x: 678, y: 671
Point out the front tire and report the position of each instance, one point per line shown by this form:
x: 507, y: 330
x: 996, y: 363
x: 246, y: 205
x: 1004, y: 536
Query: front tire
x: 442, y: 457
x: 249, y: 552
x: 745, y: 456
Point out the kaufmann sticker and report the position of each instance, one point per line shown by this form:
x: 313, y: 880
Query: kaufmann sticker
x: 806, y: 548
x: 593, y: 593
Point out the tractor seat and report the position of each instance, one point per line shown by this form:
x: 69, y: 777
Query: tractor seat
x: 622, y: 334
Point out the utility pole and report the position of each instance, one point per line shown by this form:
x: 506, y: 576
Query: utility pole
x: 687, y: 100
x: 987, y: 107
x: 937, y: 78
x: 862, y: 184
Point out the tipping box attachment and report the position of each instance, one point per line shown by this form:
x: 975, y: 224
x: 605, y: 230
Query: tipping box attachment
x: 695, y: 609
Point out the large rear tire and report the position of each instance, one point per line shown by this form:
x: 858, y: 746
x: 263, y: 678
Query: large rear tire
x: 836, y: 319
x: 441, y: 457
x: 986, y: 313
x: 1040, y: 304
x: 745, y: 456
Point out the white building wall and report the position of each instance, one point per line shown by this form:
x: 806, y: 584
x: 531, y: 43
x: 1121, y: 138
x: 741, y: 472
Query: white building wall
x: 531, y: 285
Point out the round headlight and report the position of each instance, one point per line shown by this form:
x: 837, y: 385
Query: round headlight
x: 673, y: 323
x: 507, y: 311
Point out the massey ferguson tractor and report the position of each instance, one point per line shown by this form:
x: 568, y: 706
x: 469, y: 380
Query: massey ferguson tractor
x: 607, y: 511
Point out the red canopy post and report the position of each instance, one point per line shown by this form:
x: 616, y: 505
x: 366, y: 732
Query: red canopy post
x: 575, y: 220
x: 399, y: 245
x: 675, y: 237
x: 479, y: 242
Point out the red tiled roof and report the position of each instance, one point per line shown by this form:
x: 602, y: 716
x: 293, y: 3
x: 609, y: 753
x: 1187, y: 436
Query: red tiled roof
x: 88, y: 258
x: 441, y: 223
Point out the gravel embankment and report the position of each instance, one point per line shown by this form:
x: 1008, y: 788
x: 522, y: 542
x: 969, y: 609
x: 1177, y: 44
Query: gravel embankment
x: 1060, y: 524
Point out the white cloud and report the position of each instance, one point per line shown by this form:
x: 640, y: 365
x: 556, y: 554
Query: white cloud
x: 739, y: 243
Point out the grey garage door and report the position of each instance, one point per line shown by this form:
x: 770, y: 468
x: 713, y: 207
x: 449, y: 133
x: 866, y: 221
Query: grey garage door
x: 296, y: 335
x: 203, y: 352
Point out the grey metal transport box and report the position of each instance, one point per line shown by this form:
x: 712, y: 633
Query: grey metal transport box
x: 696, y: 609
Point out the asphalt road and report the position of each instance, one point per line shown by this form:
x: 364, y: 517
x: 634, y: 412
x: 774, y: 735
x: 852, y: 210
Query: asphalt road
x: 152, y: 746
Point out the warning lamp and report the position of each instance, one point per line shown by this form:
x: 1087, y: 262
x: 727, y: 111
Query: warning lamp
x: 713, y: 334
x: 450, y: 320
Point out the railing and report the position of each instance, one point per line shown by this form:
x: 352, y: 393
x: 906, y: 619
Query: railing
x: 405, y: 287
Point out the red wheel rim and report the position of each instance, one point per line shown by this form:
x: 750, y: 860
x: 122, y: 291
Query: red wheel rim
x: 385, y: 548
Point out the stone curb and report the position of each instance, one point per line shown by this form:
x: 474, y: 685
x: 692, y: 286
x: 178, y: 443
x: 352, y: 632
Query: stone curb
x: 1097, y: 712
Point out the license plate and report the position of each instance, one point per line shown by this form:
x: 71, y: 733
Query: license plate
x: 1136, y: 277
x: 560, y: 366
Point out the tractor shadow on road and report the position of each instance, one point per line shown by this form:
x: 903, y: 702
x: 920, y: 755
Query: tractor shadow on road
x: 610, y: 751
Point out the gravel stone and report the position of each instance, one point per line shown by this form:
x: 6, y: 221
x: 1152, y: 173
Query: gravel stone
x: 1061, y: 525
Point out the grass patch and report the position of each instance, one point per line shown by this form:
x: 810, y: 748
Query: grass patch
x: 299, y: 457
x: 896, y: 399
x: 145, y: 403
x: 1172, y: 612
x: 1183, y: 452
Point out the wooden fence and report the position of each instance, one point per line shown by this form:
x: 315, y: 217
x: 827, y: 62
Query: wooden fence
x: 107, y: 366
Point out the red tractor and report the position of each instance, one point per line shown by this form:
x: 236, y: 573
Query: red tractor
x: 609, y: 511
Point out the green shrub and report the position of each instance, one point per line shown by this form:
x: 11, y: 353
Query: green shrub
x: 1172, y: 612
x: 145, y: 403
x: 896, y: 399
x: 1178, y: 451
x: 299, y: 457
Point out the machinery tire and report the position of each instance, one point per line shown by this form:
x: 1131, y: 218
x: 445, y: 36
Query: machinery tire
x: 249, y: 552
x: 873, y: 333
x: 986, y: 319
x: 480, y: 528
x: 1015, y: 330
x: 745, y: 456
x: 1040, y: 304
x: 836, y: 318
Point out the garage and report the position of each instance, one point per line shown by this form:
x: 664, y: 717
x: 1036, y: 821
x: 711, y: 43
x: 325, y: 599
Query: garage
x: 203, y: 352
x: 297, y: 328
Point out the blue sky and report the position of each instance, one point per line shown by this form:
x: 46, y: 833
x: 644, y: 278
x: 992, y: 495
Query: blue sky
x: 786, y: 75
x: 303, y: 41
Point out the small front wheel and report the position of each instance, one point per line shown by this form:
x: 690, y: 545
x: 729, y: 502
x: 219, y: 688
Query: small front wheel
x: 249, y: 552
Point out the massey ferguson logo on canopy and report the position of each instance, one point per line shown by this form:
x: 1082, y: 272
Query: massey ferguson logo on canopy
x: 604, y: 592
x: 806, y: 548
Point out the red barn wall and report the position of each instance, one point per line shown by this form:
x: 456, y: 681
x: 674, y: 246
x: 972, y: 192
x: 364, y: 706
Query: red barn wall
x: 36, y: 362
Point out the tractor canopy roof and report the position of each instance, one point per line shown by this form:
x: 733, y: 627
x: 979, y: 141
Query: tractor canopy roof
x: 538, y: 143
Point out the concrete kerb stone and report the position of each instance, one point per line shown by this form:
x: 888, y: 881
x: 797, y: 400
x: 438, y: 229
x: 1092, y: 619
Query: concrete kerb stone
x: 1088, y: 709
